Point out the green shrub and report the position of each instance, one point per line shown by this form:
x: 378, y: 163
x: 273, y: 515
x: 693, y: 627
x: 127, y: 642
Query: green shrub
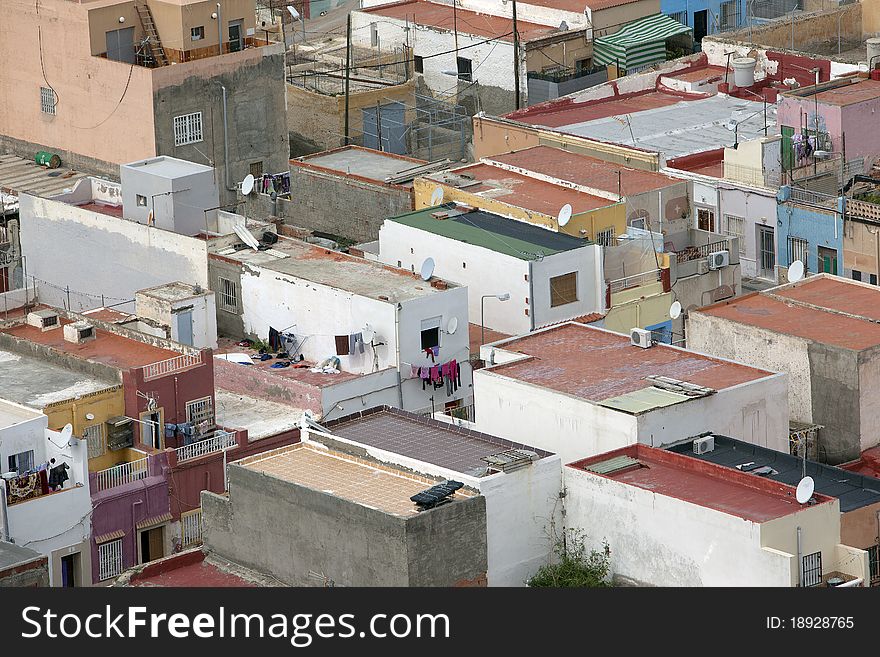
x: 577, y: 567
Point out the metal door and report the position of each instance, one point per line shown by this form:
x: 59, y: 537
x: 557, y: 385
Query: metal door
x: 185, y: 328
x: 235, y: 43
x: 766, y: 253
x: 390, y: 126
x: 120, y: 45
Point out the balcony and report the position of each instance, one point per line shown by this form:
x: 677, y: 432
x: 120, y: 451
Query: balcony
x: 218, y: 442
x: 33, y: 486
x: 150, y: 465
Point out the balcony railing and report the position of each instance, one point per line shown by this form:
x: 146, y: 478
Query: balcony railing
x: 219, y: 441
x: 810, y: 197
x: 620, y: 284
x: 121, y: 474
x: 172, y: 365
x: 752, y: 175
x: 689, y: 253
x: 863, y: 209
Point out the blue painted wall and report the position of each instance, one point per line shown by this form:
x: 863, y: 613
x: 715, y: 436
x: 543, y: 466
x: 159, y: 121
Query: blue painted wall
x: 817, y: 227
x: 670, y: 7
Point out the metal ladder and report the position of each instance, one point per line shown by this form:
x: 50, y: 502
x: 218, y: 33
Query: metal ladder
x: 155, y: 44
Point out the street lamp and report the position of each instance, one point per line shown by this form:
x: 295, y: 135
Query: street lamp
x: 500, y: 297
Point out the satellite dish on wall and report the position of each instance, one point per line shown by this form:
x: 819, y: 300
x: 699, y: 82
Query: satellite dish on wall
x: 427, y: 269
x: 247, y: 185
x: 67, y: 432
x: 437, y: 196
x: 452, y: 326
x: 293, y: 12
x: 367, y: 333
x: 805, y: 490
x: 564, y: 215
x: 795, y: 271
x: 675, y: 310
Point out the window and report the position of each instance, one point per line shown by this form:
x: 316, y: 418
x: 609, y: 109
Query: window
x: 563, y: 289
x: 200, y: 410
x: 873, y: 279
x: 374, y: 35
x: 874, y: 564
x: 464, y: 69
x: 94, y: 436
x: 22, y: 462
x: 141, y: 201
x: 109, y: 559
x: 47, y: 101
x: 736, y: 227
x: 187, y: 129
x: 430, y: 334
x: 256, y: 169
x: 151, y: 429
x: 828, y: 260
x: 228, y: 295
x: 812, y: 569
x: 606, y: 237
x: 198, y: 33
x: 191, y: 527
x: 706, y: 219
x: 583, y: 65
x: 729, y: 14
x: 680, y: 16
x: 856, y: 275
x: 797, y: 250
x: 418, y: 64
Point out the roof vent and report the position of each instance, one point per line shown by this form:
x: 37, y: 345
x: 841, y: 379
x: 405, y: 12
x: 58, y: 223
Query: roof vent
x: 436, y: 495
x: 44, y: 320
x: 79, y: 332
x: 512, y: 459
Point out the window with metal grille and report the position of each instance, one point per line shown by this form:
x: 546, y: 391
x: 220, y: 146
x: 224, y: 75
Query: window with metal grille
x: 191, y: 527
x: 680, y: 16
x: 256, y: 169
x: 374, y: 35
x: 109, y: 559
x: 563, y: 289
x: 197, y: 33
x: 736, y: 227
x: 874, y: 564
x: 187, y: 129
x: 797, y: 250
x: 812, y: 567
x: 729, y: 14
x: 606, y: 237
x: 200, y: 410
x: 228, y: 295
x: 47, y: 100
x: 22, y: 462
x: 94, y: 436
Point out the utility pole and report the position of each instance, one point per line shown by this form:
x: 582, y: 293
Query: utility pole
x: 379, y: 124
x: 515, y: 56
x: 455, y: 28
x: 347, y: 73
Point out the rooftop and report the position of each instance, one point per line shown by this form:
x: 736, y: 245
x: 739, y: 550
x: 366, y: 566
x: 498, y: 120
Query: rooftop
x: 476, y: 334
x: 260, y: 417
x: 375, y: 486
x: 868, y: 463
x: 822, y: 308
x: 707, y: 163
x: 18, y: 175
x: 361, y: 162
x: 166, y: 166
x: 440, y: 16
x: 336, y: 270
x: 585, y: 170
x: 36, y: 383
x: 491, y: 231
x: 604, y: 367
x: 705, y: 484
x: 12, y: 413
x: 440, y: 443
x: 194, y: 568
x: 175, y: 291
x: 15, y: 555
x: 107, y: 348
x: 853, y: 490
x: 860, y: 91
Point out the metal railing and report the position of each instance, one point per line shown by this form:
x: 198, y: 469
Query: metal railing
x: 121, y: 474
x: 752, y: 175
x: 219, y: 441
x: 464, y: 412
x: 191, y: 528
x: 810, y: 197
x: 635, y: 280
x: 689, y: 253
x: 172, y: 365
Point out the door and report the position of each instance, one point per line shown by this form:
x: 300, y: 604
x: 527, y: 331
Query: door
x: 701, y: 22
x: 766, y: 253
x: 151, y: 429
x: 827, y: 260
x: 120, y: 45
x: 386, y: 121
x: 235, y: 43
x: 185, y: 328
x: 70, y: 570
x: 152, y: 547
x: 706, y: 220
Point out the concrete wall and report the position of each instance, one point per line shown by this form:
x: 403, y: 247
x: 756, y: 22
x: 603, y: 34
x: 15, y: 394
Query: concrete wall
x: 203, y: 316
x: 32, y: 573
x: 229, y: 320
x: 288, y: 530
x: 133, y: 257
x: 587, y: 262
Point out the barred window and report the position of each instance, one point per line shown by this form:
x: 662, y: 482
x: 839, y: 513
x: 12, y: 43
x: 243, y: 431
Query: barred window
x: 680, y: 16
x: 797, y: 250
x: 736, y: 228
x: 199, y: 410
x: 729, y: 14
x: 94, y: 436
x: 606, y: 237
x: 228, y: 295
x: 187, y: 129
x: 812, y: 569
x: 191, y: 527
x: 47, y: 100
x: 109, y: 559
x: 563, y: 289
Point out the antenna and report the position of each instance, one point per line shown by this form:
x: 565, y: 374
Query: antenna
x: 675, y: 310
x: 247, y: 185
x: 437, y: 196
x: 805, y: 489
x: 367, y: 333
x: 564, y: 215
x: 427, y: 269
x: 795, y: 271
x: 67, y: 432
x: 452, y: 326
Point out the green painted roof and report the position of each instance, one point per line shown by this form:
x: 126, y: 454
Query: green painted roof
x: 491, y: 231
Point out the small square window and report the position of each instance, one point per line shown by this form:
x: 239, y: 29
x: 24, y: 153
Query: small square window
x: 418, y: 64
x: 563, y: 289
x: 141, y: 201
x: 256, y: 169
x: 873, y: 279
x: 198, y: 33
x: 431, y: 338
x: 465, y: 71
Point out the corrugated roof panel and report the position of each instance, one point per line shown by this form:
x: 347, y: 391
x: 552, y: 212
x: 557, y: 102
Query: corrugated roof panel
x: 643, y: 400
x: 612, y: 465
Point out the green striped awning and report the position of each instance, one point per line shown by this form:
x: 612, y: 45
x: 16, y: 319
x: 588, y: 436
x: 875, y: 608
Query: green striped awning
x: 639, y: 43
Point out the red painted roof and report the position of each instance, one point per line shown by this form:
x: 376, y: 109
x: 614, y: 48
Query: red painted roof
x: 558, y: 114
x: 705, y: 484
x: 596, y: 364
x: 867, y: 464
x: 707, y: 163
x: 188, y: 569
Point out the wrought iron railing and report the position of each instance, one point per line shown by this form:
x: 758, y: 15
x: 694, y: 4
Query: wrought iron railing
x: 121, y: 474
x: 689, y: 253
x: 218, y: 442
x: 627, y: 282
x: 171, y: 365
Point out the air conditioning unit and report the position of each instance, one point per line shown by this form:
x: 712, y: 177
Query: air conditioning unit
x: 641, y: 338
x: 719, y: 259
x: 704, y: 444
x: 44, y: 320
x: 702, y: 267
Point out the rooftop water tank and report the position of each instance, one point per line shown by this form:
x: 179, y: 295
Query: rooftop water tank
x: 744, y: 71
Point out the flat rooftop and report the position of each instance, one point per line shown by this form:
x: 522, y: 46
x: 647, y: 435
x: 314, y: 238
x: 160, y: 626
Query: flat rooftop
x: 868, y: 464
x: 440, y: 16
x: 519, y: 190
x: 491, y: 231
x: 383, y: 488
x: 708, y: 163
x: 440, y: 443
x: 36, y: 383
x: 195, y: 568
x: 336, y: 270
x: 107, y: 348
x: 175, y: 291
x: 261, y: 418
x: 362, y: 162
x: 605, y: 368
x: 166, y: 166
x: 18, y: 175
x: 823, y: 308
x: 585, y: 170
x: 705, y: 484
x: 853, y: 490
x: 14, y: 413
x: 16, y: 555
x: 861, y: 91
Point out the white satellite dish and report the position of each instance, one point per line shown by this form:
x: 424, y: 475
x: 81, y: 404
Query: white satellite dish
x: 247, y: 185
x: 437, y: 196
x: 67, y: 432
x: 452, y: 326
x: 675, y: 310
x: 427, y: 269
x: 805, y: 490
x: 795, y: 271
x: 293, y: 12
x: 367, y: 333
x: 564, y: 215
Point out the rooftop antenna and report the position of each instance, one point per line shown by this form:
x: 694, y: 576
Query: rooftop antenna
x: 247, y: 185
x: 795, y: 271
x: 427, y: 269
x: 675, y: 310
x: 437, y: 197
x: 805, y: 489
x: 564, y: 215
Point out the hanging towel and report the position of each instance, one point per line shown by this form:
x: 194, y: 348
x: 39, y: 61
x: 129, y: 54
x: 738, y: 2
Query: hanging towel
x: 435, y: 350
x: 429, y: 354
x: 342, y: 345
x: 414, y: 371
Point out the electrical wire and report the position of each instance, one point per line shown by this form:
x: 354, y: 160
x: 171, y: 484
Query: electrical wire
x: 42, y: 63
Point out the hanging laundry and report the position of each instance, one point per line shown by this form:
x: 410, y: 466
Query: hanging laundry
x: 429, y: 353
x: 435, y: 351
x: 274, y: 340
x: 342, y: 345
x: 414, y: 371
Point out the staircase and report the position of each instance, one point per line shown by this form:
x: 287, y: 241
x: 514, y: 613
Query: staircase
x: 157, y: 52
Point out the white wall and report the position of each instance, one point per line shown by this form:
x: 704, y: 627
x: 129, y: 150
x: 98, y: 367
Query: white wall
x: 758, y: 209
x: 97, y: 254
x: 204, y: 320
x: 25, y: 435
x: 587, y: 262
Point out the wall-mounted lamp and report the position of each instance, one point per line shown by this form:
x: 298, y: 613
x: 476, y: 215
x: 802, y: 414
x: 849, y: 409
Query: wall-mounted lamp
x: 214, y: 15
x: 122, y: 19
x: 90, y: 416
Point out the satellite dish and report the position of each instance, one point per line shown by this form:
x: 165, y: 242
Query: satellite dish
x: 293, y: 12
x: 564, y: 215
x: 247, y: 185
x: 452, y: 326
x: 367, y: 333
x: 675, y: 310
x: 67, y: 432
x: 427, y: 269
x: 437, y: 196
x: 805, y: 490
x: 795, y: 271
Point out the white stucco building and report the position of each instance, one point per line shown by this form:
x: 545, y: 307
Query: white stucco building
x: 550, y: 276
x: 578, y: 391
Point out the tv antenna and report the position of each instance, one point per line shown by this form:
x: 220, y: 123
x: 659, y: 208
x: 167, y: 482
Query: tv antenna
x: 675, y: 310
x: 452, y: 326
x: 367, y: 333
x: 795, y: 271
x: 247, y: 185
